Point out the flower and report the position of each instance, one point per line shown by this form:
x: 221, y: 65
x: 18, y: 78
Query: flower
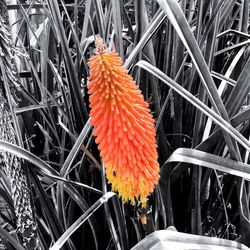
x: 123, y: 127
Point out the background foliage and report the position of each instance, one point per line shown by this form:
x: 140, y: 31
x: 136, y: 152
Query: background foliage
x: 198, y: 54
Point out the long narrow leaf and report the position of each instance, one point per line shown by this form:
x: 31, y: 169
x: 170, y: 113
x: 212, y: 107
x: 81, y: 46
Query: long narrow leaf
x: 178, y: 20
x: 196, y: 102
x: 75, y: 148
x: 159, y: 18
x: 60, y: 242
x: 7, y: 236
x: 116, y: 9
x: 41, y: 166
x: 208, y: 160
x: 56, y: 17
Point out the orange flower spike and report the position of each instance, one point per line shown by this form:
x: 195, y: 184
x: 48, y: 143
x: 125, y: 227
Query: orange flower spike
x: 124, y: 127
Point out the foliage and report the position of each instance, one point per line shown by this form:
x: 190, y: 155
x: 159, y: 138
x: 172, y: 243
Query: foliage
x: 191, y: 61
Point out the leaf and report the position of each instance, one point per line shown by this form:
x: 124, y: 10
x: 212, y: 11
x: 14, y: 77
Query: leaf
x: 240, y: 91
x: 223, y: 85
x: 170, y: 239
x: 196, y: 102
x: 60, y: 242
x: 71, y: 157
x: 7, y: 236
x: 196, y: 157
x: 154, y: 25
x: 79, y: 107
x: 178, y: 20
x: 116, y: 10
x: 41, y: 166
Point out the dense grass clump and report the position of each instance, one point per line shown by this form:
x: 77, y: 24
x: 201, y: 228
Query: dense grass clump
x: 190, y: 61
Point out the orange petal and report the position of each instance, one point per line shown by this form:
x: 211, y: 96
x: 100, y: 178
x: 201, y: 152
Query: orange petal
x: 124, y: 128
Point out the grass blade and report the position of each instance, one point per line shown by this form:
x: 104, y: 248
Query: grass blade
x: 60, y: 242
x: 7, y: 236
x: 196, y: 157
x: 157, y: 21
x: 196, y: 102
x: 80, y: 111
x: 116, y: 9
x: 178, y: 20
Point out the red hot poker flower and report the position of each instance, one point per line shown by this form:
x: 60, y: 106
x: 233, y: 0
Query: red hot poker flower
x: 124, y: 127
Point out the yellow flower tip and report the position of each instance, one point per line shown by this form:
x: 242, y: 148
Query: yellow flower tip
x: 129, y: 189
x: 124, y: 127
